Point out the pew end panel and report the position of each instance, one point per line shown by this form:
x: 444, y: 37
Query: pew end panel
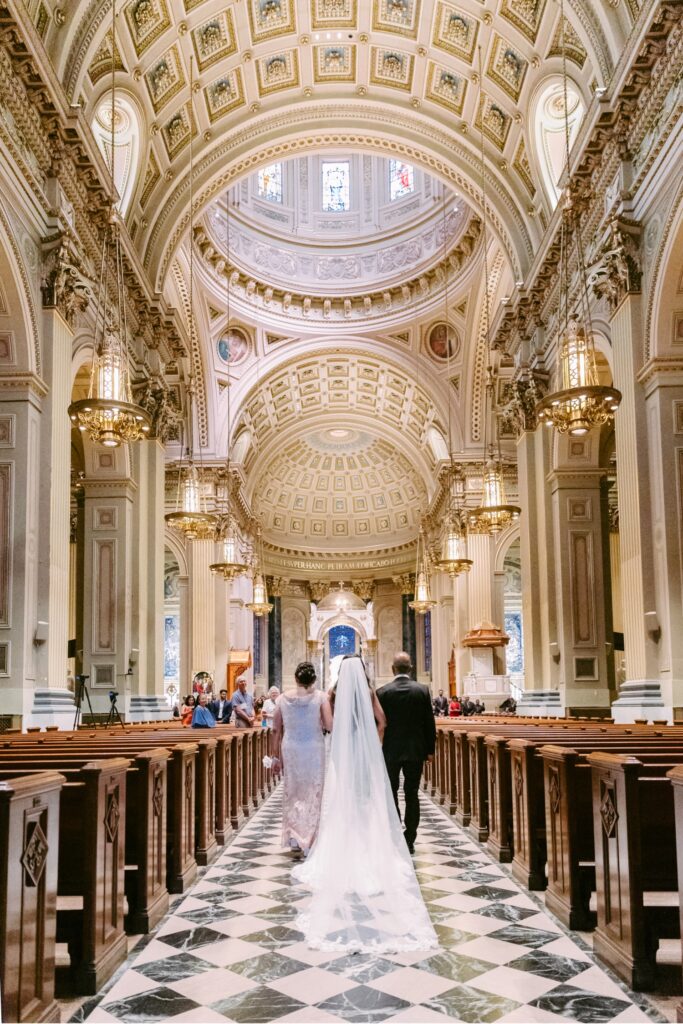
x: 500, y: 838
x: 29, y: 825
x: 147, y: 800
x: 528, y: 861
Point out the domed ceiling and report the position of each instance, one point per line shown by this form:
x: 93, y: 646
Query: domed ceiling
x: 338, y: 485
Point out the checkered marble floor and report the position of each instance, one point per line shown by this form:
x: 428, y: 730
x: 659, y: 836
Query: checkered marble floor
x: 228, y: 951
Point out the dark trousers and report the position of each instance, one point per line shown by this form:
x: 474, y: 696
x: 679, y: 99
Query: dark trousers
x: 412, y: 773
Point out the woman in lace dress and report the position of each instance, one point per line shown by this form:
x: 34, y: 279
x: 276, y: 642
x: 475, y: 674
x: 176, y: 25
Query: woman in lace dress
x: 299, y: 751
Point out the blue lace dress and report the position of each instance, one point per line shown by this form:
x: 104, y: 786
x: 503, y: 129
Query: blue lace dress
x: 303, y: 767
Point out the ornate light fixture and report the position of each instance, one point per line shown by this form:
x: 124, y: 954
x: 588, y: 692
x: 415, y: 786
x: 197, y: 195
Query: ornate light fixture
x: 259, y: 604
x: 230, y: 564
x: 581, y: 402
x: 454, y: 558
x: 494, y: 513
x: 422, y: 602
x: 191, y: 517
x: 109, y: 414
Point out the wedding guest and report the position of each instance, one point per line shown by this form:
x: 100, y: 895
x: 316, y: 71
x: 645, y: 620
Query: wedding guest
x: 441, y: 704
x: 300, y: 717
x: 202, y: 717
x: 268, y: 709
x: 187, y: 710
x: 243, y: 706
x: 221, y: 708
x: 509, y: 705
x: 454, y: 708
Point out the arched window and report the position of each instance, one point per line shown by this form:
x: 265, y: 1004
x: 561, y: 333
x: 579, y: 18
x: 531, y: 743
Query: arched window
x: 270, y: 183
x: 127, y: 135
x: 549, y: 130
x: 401, y: 179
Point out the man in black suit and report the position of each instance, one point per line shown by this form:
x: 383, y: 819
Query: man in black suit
x: 441, y: 703
x: 409, y: 738
x: 222, y: 708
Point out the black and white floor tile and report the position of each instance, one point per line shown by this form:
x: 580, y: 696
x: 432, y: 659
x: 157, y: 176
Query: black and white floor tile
x: 229, y: 950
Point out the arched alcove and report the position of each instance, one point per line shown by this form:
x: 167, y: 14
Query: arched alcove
x: 547, y: 129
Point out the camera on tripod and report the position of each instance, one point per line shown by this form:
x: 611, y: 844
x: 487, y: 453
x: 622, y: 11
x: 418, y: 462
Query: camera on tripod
x: 113, y: 694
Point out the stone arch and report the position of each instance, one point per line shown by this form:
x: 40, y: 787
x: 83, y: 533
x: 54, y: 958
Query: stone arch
x: 21, y: 349
x: 664, y: 318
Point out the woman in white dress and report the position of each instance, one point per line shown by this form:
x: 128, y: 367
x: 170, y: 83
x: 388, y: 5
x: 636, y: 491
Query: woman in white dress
x: 365, y: 895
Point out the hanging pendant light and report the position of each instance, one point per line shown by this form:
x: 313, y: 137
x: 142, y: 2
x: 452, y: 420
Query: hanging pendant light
x: 259, y: 603
x: 230, y: 563
x: 494, y: 513
x: 109, y: 415
x: 580, y: 402
x: 454, y: 560
x: 191, y: 517
x: 422, y: 602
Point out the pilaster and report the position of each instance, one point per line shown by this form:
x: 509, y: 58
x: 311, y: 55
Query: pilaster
x: 148, y: 625
x: 202, y: 618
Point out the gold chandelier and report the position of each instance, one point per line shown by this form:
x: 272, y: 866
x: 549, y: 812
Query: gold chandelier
x: 494, y: 513
x: 581, y: 402
x: 230, y: 564
x: 109, y: 415
x: 259, y: 604
x: 422, y: 602
x: 454, y: 560
x: 191, y: 517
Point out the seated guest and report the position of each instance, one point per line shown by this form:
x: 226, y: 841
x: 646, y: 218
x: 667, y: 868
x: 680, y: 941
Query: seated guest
x: 202, y: 717
x: 187, y: 710
x: 221, y: 709
x: 268, y: 709
x: 454, y: 708
x: 467, y: 707
x: 509, y: 705
x: 243, y: 706
x: 479, y: 708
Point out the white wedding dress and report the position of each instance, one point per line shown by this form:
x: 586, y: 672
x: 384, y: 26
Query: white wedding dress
x: 365, y: 895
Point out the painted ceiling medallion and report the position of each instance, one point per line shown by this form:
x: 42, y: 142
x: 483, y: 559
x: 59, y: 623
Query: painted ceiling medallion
x: 455, y: 31
x: 524, y: 15
x: 396, y: 16
x: 214, y: 39
x: 233, y: 347
x: 334, y: 63
x: 224, y: 94
x: 165, y: 78
x: 269, y: 18
x: 391, y: 67
x: 446, y: 87
x: 146, y: 20
x: 334, y: 13
x: 507, y: 67
x: 279, y: 71
x: 494, y: 122
x: 176, y: 131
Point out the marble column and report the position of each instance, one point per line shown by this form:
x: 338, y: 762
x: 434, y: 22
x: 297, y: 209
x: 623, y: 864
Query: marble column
x: 148, y: 626
x: 442, y: 630
x: 108, y: 586
x: 642, y: 684
x: 55, y: 508
x: 275, y: 643
x: 539, y: 612
x: 20, y: 537
x: 202, y: 617
x: 582, y: 578
x: 664, y: 404
x: 185, y: 642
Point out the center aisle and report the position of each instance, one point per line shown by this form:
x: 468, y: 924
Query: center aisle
x: 229, y: 951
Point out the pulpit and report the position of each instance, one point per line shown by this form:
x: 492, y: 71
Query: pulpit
x: 238, y: 662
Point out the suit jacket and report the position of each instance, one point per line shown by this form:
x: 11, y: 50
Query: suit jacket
x: 224, y: 716
x: 410, y: 734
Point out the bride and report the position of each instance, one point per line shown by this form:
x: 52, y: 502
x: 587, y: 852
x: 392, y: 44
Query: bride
x: 365, y: 896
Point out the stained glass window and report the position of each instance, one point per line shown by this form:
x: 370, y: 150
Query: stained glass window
x: 336, y: 186
x: 401, y: 179
x: 270, y: 183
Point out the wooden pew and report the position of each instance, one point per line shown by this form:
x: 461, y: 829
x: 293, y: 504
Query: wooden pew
x: 636, y: 864
x: 29, y: 841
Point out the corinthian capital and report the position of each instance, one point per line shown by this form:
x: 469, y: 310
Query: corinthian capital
x: 64, y: 283
x: 616, y: 269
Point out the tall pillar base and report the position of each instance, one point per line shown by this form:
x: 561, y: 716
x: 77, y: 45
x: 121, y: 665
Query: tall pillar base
x: 147, y: 707
x: 641, y: 698
x: 51, y: 707
x: 544, y: 703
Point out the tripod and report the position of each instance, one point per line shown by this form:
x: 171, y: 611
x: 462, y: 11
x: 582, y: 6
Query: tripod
x: 114, y: 714
x: 81, y: 692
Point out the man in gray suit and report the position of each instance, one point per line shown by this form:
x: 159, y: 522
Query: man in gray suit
x: 409, y: 738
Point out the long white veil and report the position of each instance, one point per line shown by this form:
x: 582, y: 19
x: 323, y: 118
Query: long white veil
x: 365, y: 896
